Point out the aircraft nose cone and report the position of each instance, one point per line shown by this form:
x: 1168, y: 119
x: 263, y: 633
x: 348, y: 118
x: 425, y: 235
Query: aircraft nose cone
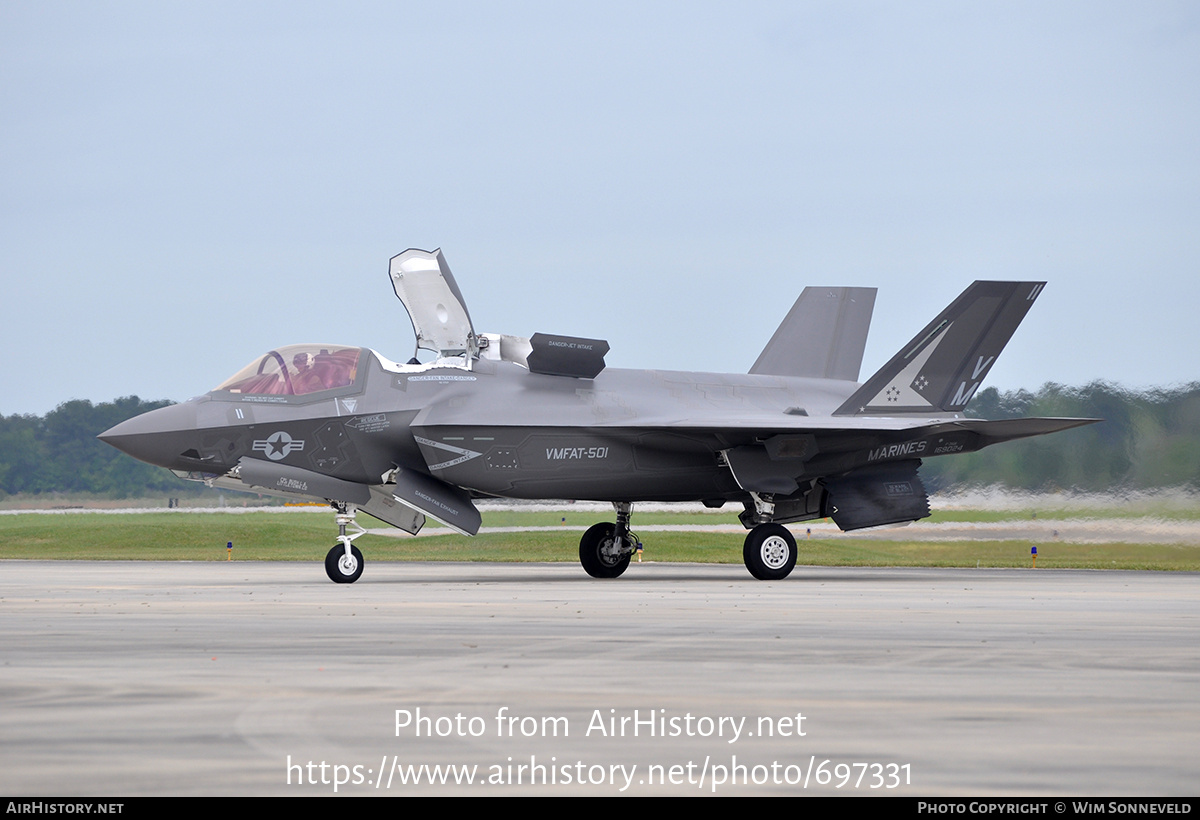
x: 157, y: 437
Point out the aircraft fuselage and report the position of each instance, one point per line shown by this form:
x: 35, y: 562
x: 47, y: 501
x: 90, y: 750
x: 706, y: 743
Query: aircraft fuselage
x: 537, y: 418
x: 627, y: 435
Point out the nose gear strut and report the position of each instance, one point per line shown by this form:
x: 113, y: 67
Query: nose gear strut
x: 344, y: 563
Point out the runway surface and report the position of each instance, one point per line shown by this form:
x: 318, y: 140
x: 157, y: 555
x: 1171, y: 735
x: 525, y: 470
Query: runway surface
x: 132, y: 678
x: 1147, y: 530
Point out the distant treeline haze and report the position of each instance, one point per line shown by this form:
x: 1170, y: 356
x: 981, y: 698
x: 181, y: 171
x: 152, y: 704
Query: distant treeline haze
x: 1149, y: 439
x: 59, y: 453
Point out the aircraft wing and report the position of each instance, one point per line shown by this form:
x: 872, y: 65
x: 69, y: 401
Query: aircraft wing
x: 775, y: 461
x: 768, y: 455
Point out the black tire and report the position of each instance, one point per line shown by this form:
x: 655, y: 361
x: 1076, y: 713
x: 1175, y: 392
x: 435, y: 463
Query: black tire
x: 597, y: 552
x: 770, y: 552
x: 341, y: 572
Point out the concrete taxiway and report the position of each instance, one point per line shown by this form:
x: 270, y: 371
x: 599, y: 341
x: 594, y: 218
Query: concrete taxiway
x: 131, y: 678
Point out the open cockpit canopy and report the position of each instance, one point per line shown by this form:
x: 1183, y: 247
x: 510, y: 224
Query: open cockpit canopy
x: 297, y: 370
x: 426, y: 287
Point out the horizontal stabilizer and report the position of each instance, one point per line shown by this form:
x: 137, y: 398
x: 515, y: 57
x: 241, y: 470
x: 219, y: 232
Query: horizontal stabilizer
x: 944, y: 364
x: 822, y: 337
x: 994, y: 432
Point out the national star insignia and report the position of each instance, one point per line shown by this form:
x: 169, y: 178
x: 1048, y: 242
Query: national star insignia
x: 278, y: 445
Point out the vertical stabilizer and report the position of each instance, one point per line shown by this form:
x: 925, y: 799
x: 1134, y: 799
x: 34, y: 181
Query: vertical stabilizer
x: 822, y: 337
x: 942, y: 367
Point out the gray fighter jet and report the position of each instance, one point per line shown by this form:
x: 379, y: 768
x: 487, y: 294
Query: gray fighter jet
x: 496, y: 416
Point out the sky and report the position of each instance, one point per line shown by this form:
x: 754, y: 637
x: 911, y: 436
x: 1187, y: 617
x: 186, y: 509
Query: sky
x: 186, y: 185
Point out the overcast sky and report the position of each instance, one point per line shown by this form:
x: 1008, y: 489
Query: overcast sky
x: 187, y: 185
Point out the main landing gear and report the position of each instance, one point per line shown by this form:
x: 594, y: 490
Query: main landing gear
x: 344, y: 563
x: 769, y: 552
x: 605, y: 549
x: 770, y: 549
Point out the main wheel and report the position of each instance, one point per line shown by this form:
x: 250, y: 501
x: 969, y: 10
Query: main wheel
x: 343, y: 569
x: 600, y: 553
x: 770, y: 552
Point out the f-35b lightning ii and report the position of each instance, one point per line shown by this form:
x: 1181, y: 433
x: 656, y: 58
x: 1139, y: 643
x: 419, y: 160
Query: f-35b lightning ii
x: 491, y: 415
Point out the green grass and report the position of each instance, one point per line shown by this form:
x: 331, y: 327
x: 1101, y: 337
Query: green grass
x: 1164, y: 512
x: 280, y: 536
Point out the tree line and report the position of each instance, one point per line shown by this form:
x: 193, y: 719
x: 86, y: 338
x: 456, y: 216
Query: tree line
x: 59, y: 453
x: 1148, y: 439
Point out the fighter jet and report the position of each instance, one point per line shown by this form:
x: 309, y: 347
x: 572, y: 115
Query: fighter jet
x: 498, y: 416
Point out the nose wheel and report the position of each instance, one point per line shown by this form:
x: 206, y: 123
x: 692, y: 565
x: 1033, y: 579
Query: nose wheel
x: 343, y: 568
x: 344, y: 563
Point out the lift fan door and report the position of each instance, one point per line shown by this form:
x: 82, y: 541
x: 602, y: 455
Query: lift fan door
x: 423, y: 281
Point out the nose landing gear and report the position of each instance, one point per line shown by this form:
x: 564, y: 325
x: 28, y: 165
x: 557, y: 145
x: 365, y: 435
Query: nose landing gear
x: 344, y: 563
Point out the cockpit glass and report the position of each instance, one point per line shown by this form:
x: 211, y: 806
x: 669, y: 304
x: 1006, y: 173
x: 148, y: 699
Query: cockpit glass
x: 296, y: 370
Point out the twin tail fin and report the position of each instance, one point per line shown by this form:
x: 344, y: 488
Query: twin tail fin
x: 941, y: 368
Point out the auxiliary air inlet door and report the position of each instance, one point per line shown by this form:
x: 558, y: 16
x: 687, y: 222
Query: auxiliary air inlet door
x: 423, y: 282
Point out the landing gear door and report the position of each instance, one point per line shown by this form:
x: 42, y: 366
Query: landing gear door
x: 423, y: 282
